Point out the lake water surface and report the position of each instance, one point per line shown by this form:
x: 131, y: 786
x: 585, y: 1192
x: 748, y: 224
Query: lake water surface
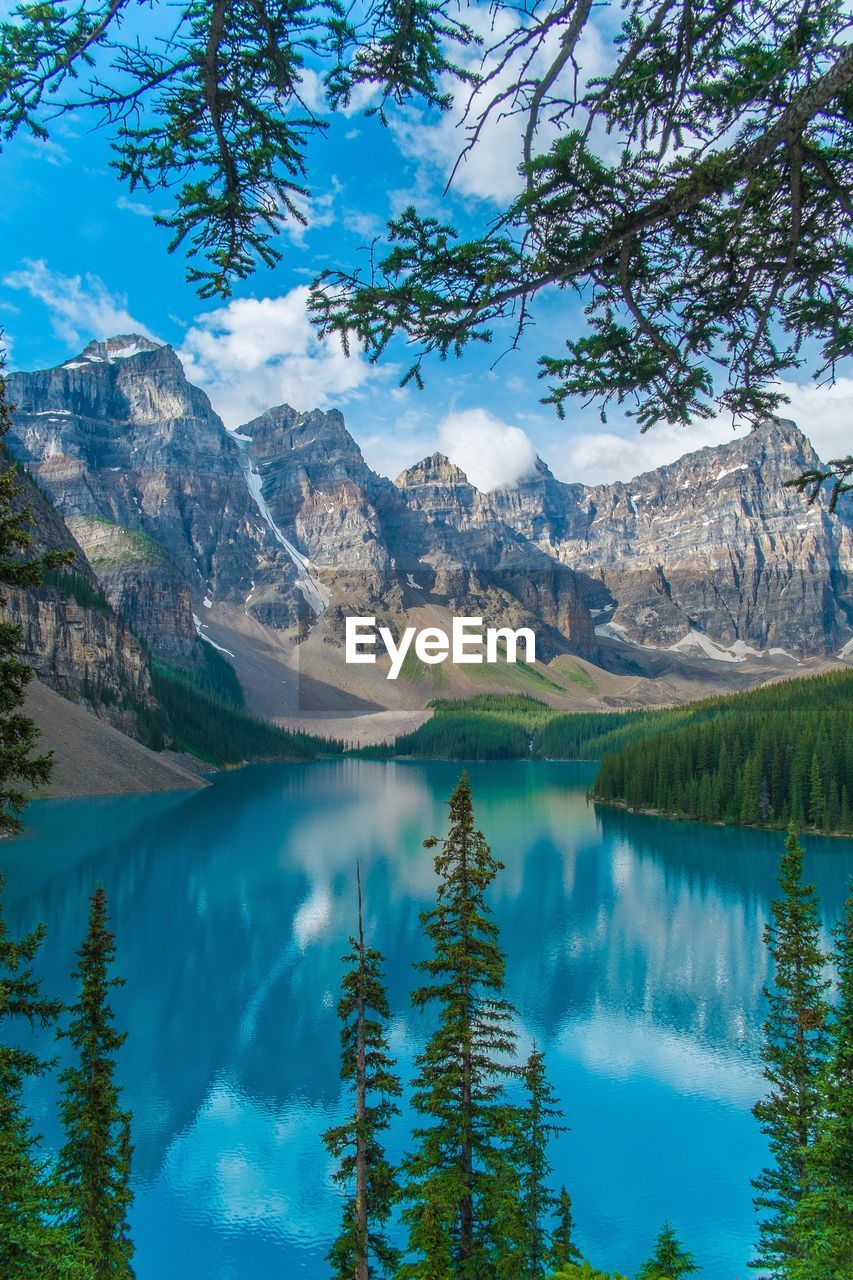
x: 635, y: 959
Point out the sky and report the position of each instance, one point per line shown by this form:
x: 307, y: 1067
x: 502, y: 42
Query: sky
x: 81, y: 258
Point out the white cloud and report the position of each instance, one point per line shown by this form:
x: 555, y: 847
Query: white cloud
x: 599, y: 457
x: 366, y: 225
x: 493, y: 454
x: 317, y: 210
x: 312, y: 91
x: 47, y: 149
x: 135, y: 206
x: 81, y: 307
x: 490, y: 170
x: 824, y: 414
x: 258, y: 352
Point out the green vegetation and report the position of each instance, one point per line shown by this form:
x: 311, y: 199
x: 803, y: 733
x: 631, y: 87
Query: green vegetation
x: 203, y: 718
x: 461, y: 1180
x: 489, y: 726
x: 823, y: 1216
x: 362, y: 1250
x: 579, y: 675
x: 63, y: 1221
x: 476, y: 1195
x: 214, y: 676
x: 94, y: 1164
x: 669, y: 1261
x: 795, y: 1046
x: 763, y: 758
x: 772, y: 756
x: 87, y: 593
x: 126, y: 545
x: 587, y: 735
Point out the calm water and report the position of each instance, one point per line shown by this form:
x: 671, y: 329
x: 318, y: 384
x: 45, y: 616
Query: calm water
x: 635, y: 960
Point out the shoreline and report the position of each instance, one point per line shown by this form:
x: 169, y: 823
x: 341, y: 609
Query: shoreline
x: 702, y: 822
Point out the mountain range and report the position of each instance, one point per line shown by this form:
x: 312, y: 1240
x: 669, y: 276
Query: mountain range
x: 260, y: 541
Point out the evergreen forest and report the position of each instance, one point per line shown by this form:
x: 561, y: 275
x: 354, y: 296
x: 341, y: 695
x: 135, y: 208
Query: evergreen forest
x: 767, y: 757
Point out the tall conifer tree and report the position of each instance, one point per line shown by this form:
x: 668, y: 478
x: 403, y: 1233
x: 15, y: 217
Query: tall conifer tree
x: 824, y: 1216
x: 539, y: 1122
x: 794, y: 1050
x: 461, y: 1191
x: 362, y: 1250
x: 32, y: 1246
x: 94, y: 1163
x: 564, y: 1251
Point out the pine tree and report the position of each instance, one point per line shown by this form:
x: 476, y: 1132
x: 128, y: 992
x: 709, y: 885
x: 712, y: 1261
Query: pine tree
x: 817, y: 798
x: 362, y: 1250
x: 563, y: 1251
x: 32, y: 1246
x: 824, y: 1215
x: 794, y: 1050
x: 538, y: 1122
x: 94, y: 1163
x: 461, y: 1191
x: 669, y: 1260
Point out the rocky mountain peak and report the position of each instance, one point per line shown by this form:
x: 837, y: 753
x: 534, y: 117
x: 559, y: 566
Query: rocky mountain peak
x: 285, y: 432
x: 437, y: 469
x: 120, y: 347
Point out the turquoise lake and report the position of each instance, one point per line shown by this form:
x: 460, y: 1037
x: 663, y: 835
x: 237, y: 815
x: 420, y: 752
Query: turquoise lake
x: 635, y: 960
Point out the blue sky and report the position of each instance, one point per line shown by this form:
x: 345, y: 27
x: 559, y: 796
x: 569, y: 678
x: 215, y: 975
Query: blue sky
x: 81, y: 257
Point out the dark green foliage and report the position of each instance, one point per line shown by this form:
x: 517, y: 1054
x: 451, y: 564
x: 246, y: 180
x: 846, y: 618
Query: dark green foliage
x: 32, y: 1245
x: 493, y: 726
x: 485, y: 727
x: 362, y: 1250
x: 210, y: 726
x: 213, y: 105
x: 87, y: 593
x: 709, y: 245
x: 691, y: 257
x: 94, y: 1164
x: 824, y: 1214
x: 794, y: 1050
x: 461, y: 1191
x: 563, y: 1250
x: 539, y: 1121
x: 18, y: 734
x: 768, y: 757
x: 214, y: 676
x: 669, y: 1261
x: 587, y: 735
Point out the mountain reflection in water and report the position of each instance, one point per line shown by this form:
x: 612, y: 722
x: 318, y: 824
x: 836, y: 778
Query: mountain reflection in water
x: 635, y: 959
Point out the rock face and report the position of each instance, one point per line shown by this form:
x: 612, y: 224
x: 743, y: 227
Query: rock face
x: 76, y: 643
x: 284, y: 520
x: 714, y: 543
x: 119, y: 434
x: 141, y: 584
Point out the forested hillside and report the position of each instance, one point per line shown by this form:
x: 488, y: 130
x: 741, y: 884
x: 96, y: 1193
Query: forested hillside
x: 758, y: 758
x: 779, y: 754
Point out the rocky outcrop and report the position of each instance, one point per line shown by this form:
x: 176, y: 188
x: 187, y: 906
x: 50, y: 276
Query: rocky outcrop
x: 142, y: 585
x: 714, y: 543
x: 72, y: 638
x: 119, y: 434
x: 285, y: 520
